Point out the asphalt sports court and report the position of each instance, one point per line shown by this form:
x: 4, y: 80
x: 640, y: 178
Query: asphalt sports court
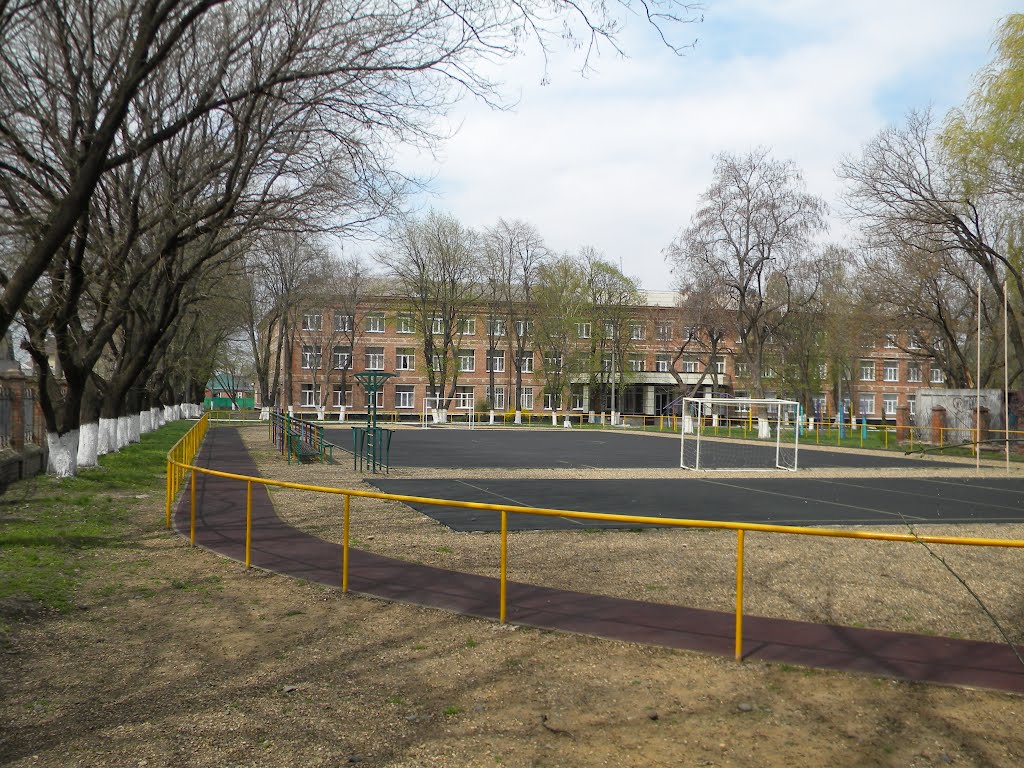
x: 784, y: 498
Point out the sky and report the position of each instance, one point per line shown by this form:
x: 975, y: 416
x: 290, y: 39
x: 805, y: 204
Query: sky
x: 618, y: 158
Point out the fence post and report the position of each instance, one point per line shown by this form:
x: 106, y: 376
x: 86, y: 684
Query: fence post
x: 192, y: 516
x: 344, y: 545
x: 167, y: 500
x: 248, y: 523
x: 739, y: 594
x: 503, y: 582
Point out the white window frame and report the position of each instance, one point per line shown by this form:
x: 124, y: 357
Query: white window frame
x: 405, y: 358
x: 464, y: 398
x: 495, y: 327
x: 936, y: 376
x: 342, y: 322
x: 742, y: 370
x: 637, y: 331
x: 914, y: 373
x: 496, y: 358
x: 890, y: 341
x: 526, y: 362
x: 663, y: 362
x: 911, y: 404
x: 337, y: 396
x: 312, y: 321
x: 375, y: 322
x: 691, y: 365
x: 405, y: 396
x: 891, y: 370
x: 577, y: 400
x: 548, y: 398
x: 467, y: 360
x: 379, y: 398
x: 583, y: 330
x: 553, y: 363
x: 341, y: 357
x: 889, y: 404
x: 404, y: 324
x: 867, y: 370
x: 524, y: 328
x: 437, y: 326
x: 374, y: 360
x: 719, y: 365
x: 467, y: 326
x: 866, y: 399
x: 637, y: 363
x: 663, y: 331
x: 526, y: 399
x: 312, y: 357
x: 309, y: 395
x: 497, y: 398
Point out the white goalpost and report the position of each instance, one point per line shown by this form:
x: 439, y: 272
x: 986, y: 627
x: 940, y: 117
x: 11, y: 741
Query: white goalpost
x: 436, y: 413
x: 740, y: 434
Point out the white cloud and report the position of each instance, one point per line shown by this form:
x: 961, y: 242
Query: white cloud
x: 617, y: 160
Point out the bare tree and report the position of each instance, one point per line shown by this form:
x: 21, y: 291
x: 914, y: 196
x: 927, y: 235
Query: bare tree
x: 754, y: 224
x: 435, y: 264
x: 515, y: 253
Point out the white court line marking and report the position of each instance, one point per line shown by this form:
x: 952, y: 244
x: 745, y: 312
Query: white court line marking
x: 516, y: 502
x: 848, y: 484
x: 883, y: 512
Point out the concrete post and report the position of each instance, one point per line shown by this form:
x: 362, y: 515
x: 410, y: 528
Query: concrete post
x: 902, y: 423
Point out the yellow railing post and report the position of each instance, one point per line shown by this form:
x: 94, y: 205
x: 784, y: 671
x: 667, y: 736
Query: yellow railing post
x: 248, y: 524
x: 344, y: 545
x: 167, y: 500
x: 192, y: 515
x: 503, y: 569
x: 739, y: 594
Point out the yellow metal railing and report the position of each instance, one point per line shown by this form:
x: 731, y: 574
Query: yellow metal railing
x: 178, y: 467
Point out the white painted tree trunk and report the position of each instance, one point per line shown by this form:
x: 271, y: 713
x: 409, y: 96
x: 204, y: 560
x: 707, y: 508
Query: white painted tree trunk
x: 123, y: 434
x: 265, y: 414
x: 145, y: 422
x: 88, y: 442
x: 168, y: 414
x: 134, y: 428
x: 63, y: 453
x: 107, y: 437
x: 764, y: 429
x: 157, y: 416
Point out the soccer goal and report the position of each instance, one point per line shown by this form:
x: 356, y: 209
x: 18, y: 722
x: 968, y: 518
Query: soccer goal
x: 739, y: 434
x: 436, y: 412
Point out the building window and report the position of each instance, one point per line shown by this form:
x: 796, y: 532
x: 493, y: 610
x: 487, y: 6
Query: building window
x: 312, y: 321
x: 312, y: 357
x: 663, y: 363
x: 436, y: 362
x: 937, y: 376
x: 583, y: 330
x: 342, y: 322
x: 690, y: 332
x: 375, y: 323
x: 819, y: 406
x: 663, y: 331
x: 553, y: 362
x: 405, y: 396
x: 496, y: 361
x: 405, y: 359
x: 495, y: 328
x: 637, y: 331
x: 890, y: 341
x: 889, y: 406
x: 526, y: 363
x: 552, y: 403
x: 610, y: 331
x: 498, y: 398
x: 867, y: 370
x: 911, y: 402
x: 342, y: 396
x: 467, y: 326
x: 768, y: 373
x: 690, y: 365
x: 719, y: 363
x: 375, y: 358
x: 464, y: 398
x: 891, y: 371
x: 914, y: 372
x: 742, y: 370
x: 867, y: 405
x: 342, y: 358
x: 577, y: 399
x: 379, y: 399
x: 404, y: 324
x: 526, y: 399
x: 309, y: 395
x: 467, y: 361
x: 636, y: 362
x: 437, y: 326
x: 915, y: 341
x: 524, y: 328
x: 606, y: 361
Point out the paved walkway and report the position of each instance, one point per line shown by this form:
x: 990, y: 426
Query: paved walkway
x: 280, y: 548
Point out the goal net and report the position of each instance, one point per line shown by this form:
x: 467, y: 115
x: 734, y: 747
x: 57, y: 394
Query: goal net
x: 739, y: 434
x: 449, y: 411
